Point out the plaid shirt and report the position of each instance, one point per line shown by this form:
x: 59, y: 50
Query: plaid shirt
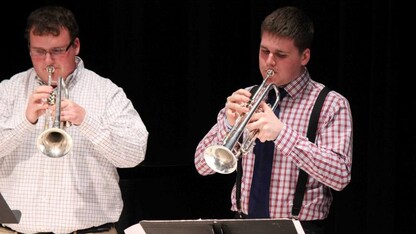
x: 81, y: 189
x: 327, y: 161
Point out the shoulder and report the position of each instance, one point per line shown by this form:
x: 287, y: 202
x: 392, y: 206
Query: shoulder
x: 317, y: 87
x: 20, y: 78
x: 334, y: 100
x: 91, y: 76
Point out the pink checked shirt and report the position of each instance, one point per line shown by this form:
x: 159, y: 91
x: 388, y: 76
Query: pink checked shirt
x: 327, y: 161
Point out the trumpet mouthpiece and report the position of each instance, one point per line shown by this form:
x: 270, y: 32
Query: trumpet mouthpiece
x: 270, y: 72
x: 50, y: 69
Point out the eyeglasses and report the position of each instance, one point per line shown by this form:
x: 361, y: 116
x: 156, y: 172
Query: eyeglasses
x: 54, y: 52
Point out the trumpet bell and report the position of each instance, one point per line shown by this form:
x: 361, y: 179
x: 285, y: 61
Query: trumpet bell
x: 54, y: 142
x: 220, y: 159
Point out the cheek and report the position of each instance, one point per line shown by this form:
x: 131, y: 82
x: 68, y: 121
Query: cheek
x: 263, y: 60
x: 264, y: 56
x: 41, y: 72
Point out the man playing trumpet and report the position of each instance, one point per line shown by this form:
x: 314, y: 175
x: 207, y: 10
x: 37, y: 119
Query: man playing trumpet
x: 79, y: 192
x: 282, y: 148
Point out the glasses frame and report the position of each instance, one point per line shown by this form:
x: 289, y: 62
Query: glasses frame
x: 54, y: 52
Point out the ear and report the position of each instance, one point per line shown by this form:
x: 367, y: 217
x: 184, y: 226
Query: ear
x: 306, y: 55
x: 77, y: 45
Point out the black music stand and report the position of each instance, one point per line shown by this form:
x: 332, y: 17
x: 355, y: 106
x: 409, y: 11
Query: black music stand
x: 264, y: 226
x: 219, y: 226
x: 6, y: 214
x: 177, y: 226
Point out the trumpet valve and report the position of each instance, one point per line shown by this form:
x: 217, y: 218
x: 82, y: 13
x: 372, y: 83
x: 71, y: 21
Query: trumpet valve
x: 52, y: 98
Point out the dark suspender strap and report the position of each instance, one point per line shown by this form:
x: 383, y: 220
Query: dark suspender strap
x: 303, y: 176
x: 238, y: 183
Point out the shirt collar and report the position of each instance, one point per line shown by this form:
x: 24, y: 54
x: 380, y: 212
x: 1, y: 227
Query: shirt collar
x: 297, y: 85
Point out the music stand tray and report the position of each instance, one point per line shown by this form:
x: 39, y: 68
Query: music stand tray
x: 6, y: 214
x: 176, y: 226
x: 264, y: 226
x: 219, y: 226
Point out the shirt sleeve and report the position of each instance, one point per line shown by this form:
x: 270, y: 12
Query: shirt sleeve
x: 120, y: 135
x: 329, y: 159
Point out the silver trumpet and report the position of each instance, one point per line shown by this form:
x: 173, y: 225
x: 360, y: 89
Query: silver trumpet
x: 223, y: 158
x: 55, y: 142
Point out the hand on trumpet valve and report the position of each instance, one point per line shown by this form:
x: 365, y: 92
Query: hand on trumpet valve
x: 266, y: 123
x: 71, y: 113
x: 37, y: 103
x: 237, y: 105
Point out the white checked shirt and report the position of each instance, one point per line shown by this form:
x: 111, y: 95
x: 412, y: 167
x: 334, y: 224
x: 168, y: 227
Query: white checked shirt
x: 81, y: 189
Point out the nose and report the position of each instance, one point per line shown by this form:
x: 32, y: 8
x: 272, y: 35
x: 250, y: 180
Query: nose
x: 270, y: 60
x: 48, y: 57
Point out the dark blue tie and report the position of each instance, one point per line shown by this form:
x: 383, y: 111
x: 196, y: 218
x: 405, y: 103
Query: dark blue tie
x: 260, y: 187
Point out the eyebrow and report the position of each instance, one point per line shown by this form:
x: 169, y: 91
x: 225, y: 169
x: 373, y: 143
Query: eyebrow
x: 274, y: 51
x: 58, y: 47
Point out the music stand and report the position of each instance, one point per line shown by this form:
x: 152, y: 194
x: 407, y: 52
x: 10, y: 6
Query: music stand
x: 219, y: 226
x: 6, y: 214
x: 264, y: 226
x: 177, y: 226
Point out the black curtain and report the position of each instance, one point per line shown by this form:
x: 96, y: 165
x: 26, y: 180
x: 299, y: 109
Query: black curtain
x: 179, y: 60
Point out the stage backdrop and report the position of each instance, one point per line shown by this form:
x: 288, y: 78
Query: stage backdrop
x: 179, y: 60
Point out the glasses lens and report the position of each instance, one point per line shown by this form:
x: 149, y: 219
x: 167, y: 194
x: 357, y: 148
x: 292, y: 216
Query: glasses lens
x: 58, y: 51
x: 38, y: 52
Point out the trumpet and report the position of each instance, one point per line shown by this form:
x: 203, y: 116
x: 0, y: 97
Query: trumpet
x: 55, y: 142
x: 223, y: 158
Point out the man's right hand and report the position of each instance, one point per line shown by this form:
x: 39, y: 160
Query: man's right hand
x: 37, y: 104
